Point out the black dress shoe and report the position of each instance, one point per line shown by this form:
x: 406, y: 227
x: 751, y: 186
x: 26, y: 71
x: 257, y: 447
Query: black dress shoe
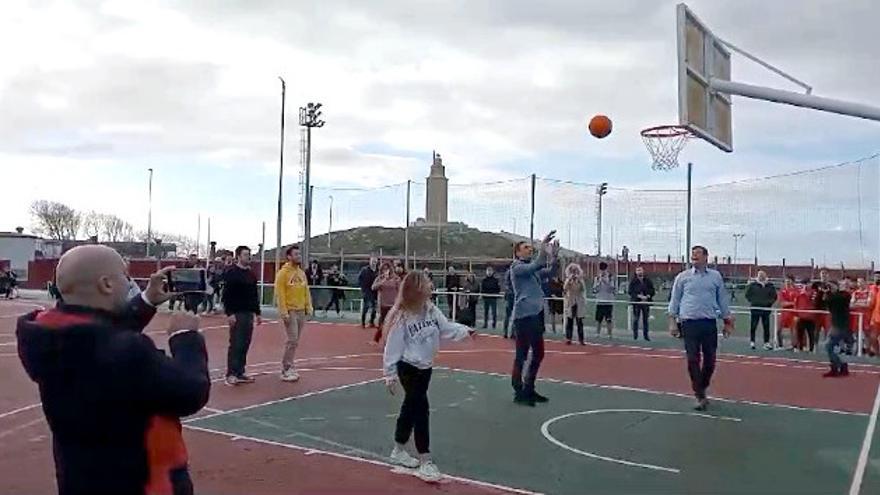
x: 539, y: 398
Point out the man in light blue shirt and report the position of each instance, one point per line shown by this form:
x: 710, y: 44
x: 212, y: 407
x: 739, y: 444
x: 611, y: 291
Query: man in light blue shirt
x: 528, y: 314
x: 698, y: 300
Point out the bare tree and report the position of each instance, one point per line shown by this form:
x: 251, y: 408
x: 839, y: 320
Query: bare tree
x: 91, y: 224
x: 115, y: 229
x: 56, y: 220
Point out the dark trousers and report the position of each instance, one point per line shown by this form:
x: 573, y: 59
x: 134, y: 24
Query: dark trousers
x: 569, y: 324
x: 529, y: 335
x: 414, y: 413
x: 239, y: 342
x: 334, y: 301
x: 383, y: 313
x: 181, y: 483
x: 761, y: 316
x: 369, y: 305
x: 192, y: 301
x: 700, y: 341
x: 209, y: 302
x: 508, y: 310
x: 640, y: 313
x: 490, y: 304
x: 806, y: 328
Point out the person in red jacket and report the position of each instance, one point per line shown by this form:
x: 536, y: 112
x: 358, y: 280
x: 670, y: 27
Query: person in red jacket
x: 787, y: 319
x: 805, y: 303
x: 111, y: 398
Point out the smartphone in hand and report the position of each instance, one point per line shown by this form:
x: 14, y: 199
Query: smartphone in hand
x: 187, y: 280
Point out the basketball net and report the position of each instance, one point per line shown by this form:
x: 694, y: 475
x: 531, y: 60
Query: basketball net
x: 664, y: 143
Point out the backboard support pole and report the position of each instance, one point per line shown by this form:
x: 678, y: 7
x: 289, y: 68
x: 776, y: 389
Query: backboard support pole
x: 797, y: 99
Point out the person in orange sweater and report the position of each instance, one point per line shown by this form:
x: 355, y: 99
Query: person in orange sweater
x: 294, y: 303
x: 387, y: 285
x: 874, y: 316
x: 787, y: 319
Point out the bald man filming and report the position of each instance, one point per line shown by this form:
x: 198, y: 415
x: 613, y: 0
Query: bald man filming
x: 111, y: 398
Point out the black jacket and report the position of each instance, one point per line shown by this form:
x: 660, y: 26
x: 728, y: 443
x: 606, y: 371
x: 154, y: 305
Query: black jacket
x: 644, y: 287
x: 112, y: 400
x: 240, y: 292
x: 762, y: 296
x: 453, y: 281
x: 490, y: 285
x: 366, y: 277
x: 316, y: 276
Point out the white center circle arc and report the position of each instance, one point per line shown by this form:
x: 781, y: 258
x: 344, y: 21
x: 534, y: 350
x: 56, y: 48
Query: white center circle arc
x: 545, y: 430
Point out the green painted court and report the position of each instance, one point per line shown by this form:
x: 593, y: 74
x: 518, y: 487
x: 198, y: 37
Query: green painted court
x: 588, y: 439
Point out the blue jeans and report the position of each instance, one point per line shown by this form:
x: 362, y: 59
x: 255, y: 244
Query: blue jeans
x: 700, y: 344
x: 836, y: 339
x: 490, y: 304
x: 529, y: 335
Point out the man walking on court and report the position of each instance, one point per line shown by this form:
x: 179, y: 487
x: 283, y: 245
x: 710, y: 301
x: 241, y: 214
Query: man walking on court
x: 366, y: 277
x: 698, y: 299
x: 294, y: 303
x: 241, y: 302
x: 528, y: 314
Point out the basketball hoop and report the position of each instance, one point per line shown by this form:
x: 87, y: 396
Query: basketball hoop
x: 664, y: 143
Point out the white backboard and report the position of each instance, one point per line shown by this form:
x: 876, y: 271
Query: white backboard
x: 701, y: 57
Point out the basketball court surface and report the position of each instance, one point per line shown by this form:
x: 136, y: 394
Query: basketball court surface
x: 619, y: 421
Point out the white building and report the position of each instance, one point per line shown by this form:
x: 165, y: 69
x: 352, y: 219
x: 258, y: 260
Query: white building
x: 20, y: 248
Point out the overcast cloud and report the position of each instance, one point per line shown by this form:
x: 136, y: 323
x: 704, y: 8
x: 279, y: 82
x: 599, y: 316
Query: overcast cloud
x: 94, y: 93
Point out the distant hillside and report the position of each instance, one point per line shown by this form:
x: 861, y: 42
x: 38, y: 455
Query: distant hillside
x: 456, y: 241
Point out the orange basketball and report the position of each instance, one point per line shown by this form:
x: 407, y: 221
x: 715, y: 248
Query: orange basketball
x: 600, y: 126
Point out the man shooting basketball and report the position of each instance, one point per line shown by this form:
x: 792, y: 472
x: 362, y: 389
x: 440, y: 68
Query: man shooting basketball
x: 698, y: 300
x: 528, y: 313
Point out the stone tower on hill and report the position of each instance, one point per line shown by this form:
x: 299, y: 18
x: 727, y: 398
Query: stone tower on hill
x: 436, y: 199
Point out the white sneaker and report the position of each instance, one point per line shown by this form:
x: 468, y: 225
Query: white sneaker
x: 428, y: 472
x: 289, y: 375
x: 768, y: 346
x: 402, y: 458
x: 752, y: 345
x: 232, y: 380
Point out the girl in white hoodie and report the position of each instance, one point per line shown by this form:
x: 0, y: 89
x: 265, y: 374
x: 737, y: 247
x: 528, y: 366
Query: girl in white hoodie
x: 414, y: 328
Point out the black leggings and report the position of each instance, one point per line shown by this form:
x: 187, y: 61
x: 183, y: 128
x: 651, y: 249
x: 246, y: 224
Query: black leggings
x: 569, y: 323
x: 414, y: 410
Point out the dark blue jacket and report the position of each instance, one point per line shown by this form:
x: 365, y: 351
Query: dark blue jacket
x: 111, y: 398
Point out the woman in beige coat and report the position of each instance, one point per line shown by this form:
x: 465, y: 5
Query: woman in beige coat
x: 575, y: 301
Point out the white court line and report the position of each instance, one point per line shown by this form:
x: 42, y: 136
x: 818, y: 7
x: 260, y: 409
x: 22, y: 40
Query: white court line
x: 660, y: 392
x: 862, y: 463
x: 212, y: 410
x: 329, y: 368
x: 545, y: 430
x: 312, y: 451
x: 8, y: 343
x: 286, y: 399
x: 20, y: 409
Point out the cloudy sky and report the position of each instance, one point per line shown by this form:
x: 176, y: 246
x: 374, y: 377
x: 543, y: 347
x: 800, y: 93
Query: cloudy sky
x: 94, y: 93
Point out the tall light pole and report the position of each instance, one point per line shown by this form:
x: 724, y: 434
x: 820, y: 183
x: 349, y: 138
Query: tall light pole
x: 736, y: 238
x: 602, y: 190
x: 330, y: 228
x: 149, y: 212
x: 309, y: 117
x: 280, y: 182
